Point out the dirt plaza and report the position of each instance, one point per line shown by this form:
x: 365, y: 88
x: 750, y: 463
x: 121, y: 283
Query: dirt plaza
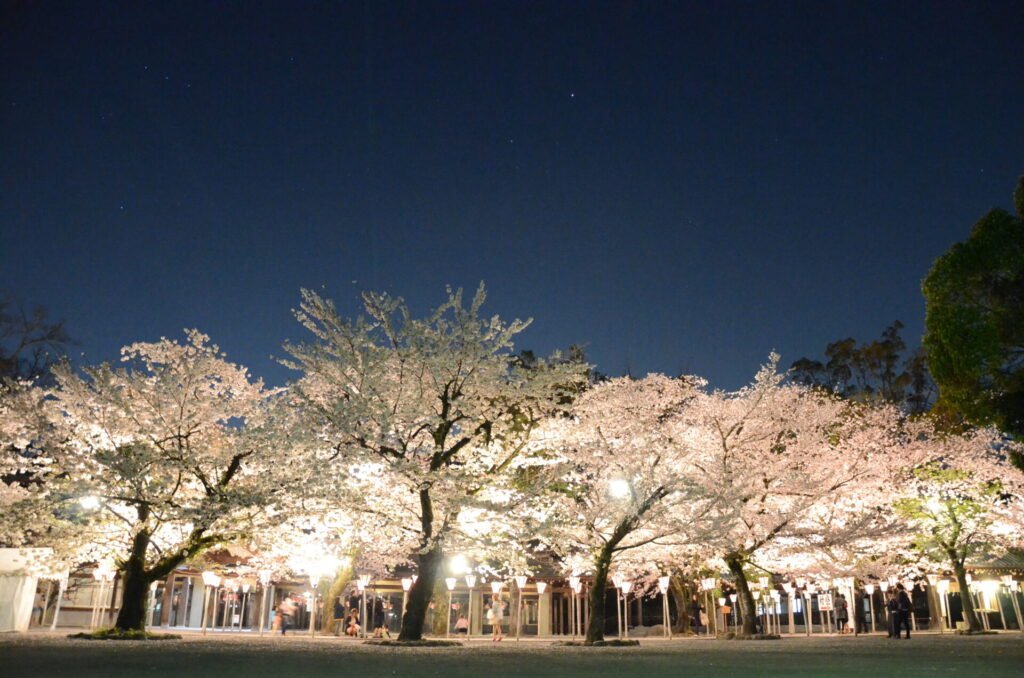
x: 926, y: 654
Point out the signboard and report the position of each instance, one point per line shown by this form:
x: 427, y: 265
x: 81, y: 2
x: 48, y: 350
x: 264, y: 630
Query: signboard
x: 825, y: 602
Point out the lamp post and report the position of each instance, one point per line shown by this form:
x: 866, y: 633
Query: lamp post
x: 665, y: 621
x: 1011, y: 588
x: 788, y: 588
x: 708, y: 584
x: 62, y: 587
x: 406, y: 585
x: 264, y: 582
x: 732, y: 613
x: 450, y: 583
x: 237, y: 604
x: 776, y: 597
x: 470, y: 583
x: 870, y: 590
x: 577, y: 610
x: 811, y: 589
x: 210, y: 580
x: 520, y: 584
x: 574, y: 586
x: 495, y: 591
x: 103, y: 574
x: 626, y: 586
x: 721, y: 606
x: 756, y: 593
x: 542, y: 586
x: 314, y: 583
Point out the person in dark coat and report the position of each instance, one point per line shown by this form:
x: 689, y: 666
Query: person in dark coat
x: 903, y: 605
x: 892, y: 606
x: 695, y: 611
x: 339, y: 617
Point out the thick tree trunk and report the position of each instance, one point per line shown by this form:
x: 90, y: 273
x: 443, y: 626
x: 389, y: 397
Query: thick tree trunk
x: 420, y: 594
x: 971, y: 622
x: 681, y: 596
x: 337, y: 586
x: 135, y: 586
x: 743, y: 596
x: 595, y: 630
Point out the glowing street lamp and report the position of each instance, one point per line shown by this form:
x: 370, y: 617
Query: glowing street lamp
x: 732, y: 606
x: 619, y: 488
x: 89, y: 502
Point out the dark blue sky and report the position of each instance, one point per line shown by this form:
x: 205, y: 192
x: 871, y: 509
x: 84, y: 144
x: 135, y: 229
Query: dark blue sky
x: 676, y: 186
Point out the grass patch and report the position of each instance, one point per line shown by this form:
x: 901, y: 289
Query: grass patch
x: 119, y: 634
x: 755, y: 636
x: 414, y: 643
x: 616, y: 642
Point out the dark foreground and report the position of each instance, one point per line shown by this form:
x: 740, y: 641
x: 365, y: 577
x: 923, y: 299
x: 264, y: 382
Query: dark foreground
x: 42, y: 656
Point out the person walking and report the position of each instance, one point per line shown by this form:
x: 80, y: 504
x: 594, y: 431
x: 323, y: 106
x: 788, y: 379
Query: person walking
x: 287, y: 610
x: 903, y: 605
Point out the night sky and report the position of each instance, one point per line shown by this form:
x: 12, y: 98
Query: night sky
x: 678, y: 187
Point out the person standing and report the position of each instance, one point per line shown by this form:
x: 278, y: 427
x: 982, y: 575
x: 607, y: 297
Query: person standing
x: 695, y: 613
x: 494, y: 616
x: 892, y: 607
x: 903, y: 605
x: 842, y: 613
x: 861, y: 612
x: 339, y: 616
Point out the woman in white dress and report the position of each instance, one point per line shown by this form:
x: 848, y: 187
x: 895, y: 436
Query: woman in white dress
x: 494, y: 614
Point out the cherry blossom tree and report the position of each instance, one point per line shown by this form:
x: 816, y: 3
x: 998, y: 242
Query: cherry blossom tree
x: 170, y: 455
x: 787, y: 461
x: 963, y: 499
x: 614, y: 485
x: 425, y: 415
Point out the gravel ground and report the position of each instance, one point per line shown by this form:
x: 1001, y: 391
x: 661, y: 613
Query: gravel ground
x: 42, y: 655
